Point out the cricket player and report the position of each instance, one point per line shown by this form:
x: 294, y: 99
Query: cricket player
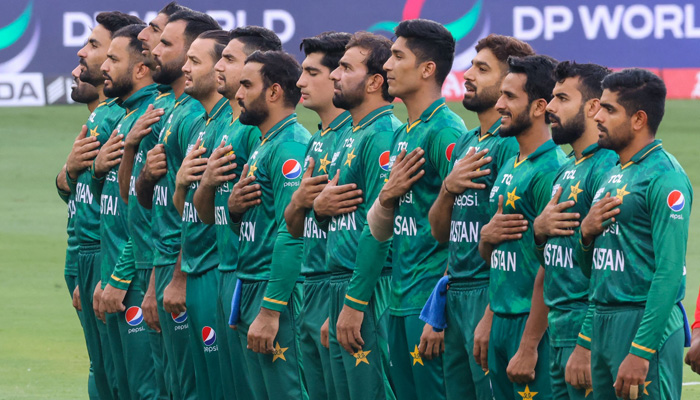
x: 637, y: 259
x: 155, y: 187
x: 359, y: 264
x: 576, y: 101
x: 459, y: 213
x: 235, y: 143
x: 83, y: 151
x: 102, y: 121
x: 269, y: 258
x: 322, y: 55
x: 692, y: 357
x: 129, y: 79
x: 518, y: 354
x: 421, y: 59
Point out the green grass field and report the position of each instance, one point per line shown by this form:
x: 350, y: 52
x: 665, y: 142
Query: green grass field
x: 42, y: 351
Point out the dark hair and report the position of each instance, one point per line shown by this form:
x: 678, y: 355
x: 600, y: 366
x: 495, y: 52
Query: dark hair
x: 115, y: 20
x: 135, y: 47
x: 256, y: 38
x: 171, y: 8
x: 196, y: 24
x: 638, y: 89
x: 220, y: 39
x: 503, y: 47
x: 379, y: 49
x: 539, y: 71
x: 330, y: 44
x: 590, y: 76
x: 429, y: 41
x: 281, y: 68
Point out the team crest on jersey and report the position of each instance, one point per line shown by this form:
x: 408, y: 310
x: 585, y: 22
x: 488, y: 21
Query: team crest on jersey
x: 675, y: 200
x: 384, y: 160
x: 133, y: 316
x: 291, y: 169
x: 448, y: 151
x: 208, y: 336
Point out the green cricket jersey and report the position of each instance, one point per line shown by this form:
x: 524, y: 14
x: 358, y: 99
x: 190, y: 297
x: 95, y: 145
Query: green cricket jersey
x: 526, y: 187
x: 166, y: 221
x: 71, y: 267
x: 266, y: 249
x: 100, y: 124
x: 199, y: 249
x: 640, y: 258
x: 321, y: 149
x: 471, y: 210
x: 419, y: 260
x: 565, y: 286
x: 243, y: 138
x: 139, y: 218
x: 113, y: 211
x: 361, y: 157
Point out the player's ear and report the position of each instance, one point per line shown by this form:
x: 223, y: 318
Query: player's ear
x: 428, y: 69
x: 639, y: 120
x: 538, y: 108
x: 374, y: 83
x: 141, y: 71
x: 274, y: 93
x: 592, y: 106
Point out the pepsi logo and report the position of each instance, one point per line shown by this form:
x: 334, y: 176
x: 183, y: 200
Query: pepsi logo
x: 384, y: 160
x: 208, y: 335
x: 291, y: 169
x: 134, y: 316
x: 448, y: 151
x: 179, y: 317
x: 675, y: 200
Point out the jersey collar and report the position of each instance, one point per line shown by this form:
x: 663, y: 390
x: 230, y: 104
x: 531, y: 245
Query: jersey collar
x: 493, y: 130
x: 218, y: 110
x: 340, y: 121
x: 292, y: 118
x: 135, y: 100
x: 369, y: 118
x: 164, y: 91
x: 643, y: 153
x: 428, y: 113
x: 586, y: 153
x: 544, y: 147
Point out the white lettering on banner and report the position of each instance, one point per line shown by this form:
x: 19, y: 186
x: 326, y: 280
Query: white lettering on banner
x: 25, y: 89
x: 696, y: 90
x: 637, y: 21
x: 78, y: 25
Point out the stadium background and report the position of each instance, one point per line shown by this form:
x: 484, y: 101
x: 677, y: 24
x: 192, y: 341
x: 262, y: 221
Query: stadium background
x: 42, y: 353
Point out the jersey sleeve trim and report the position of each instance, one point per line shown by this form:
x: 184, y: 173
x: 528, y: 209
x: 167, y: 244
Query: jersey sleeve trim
x: 648, y: 350
x: 354, y: 300
x: 280, y: 302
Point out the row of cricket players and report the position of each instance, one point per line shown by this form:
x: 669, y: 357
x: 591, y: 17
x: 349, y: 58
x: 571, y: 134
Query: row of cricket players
x: 374, y: 259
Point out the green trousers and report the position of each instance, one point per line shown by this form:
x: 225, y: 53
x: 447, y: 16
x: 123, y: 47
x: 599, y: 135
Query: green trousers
x: 131, y: 347
x: 278, y: 375
x: 95, y: 331
x: 506, y: 332
x: 234, y: 373
x: 613, y: 331
x: 71, y: 283
x: 414, y: 378
x: 155, y: 339
x: 179, y: 368
x: 464, y: 378
x: 558, y: 357
x: 202, y: 296
x: 365, y: 374
x: 316, y: 358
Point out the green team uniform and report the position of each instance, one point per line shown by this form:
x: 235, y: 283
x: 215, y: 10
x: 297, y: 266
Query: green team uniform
x: 526, y: 187
x: 200, y: 259
x: 419, y: 261
x: 243, y: 138
x: 358, y: 263
x: 71, y: 270
x: 269, y: 261
x: 127, y: 331
x: 166, y: 228
x: 467, y: 295
x: 100, y: 124
x: 316, y: 358
x: 565, y: 286
x: 638, y: 271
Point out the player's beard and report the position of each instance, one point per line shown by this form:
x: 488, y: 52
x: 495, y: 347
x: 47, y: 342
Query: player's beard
x: 203, y: 87
x: 350, y: 98
x: 91, y: 74
x: 517, y: 125
x: 256, y: 112
x: 483, y: 101
x: 120, y: 86
x: 168, y: 73
x: 226, y: 90
x: 622, y: 137
x: 83, y: 93
x: 569, y: 132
